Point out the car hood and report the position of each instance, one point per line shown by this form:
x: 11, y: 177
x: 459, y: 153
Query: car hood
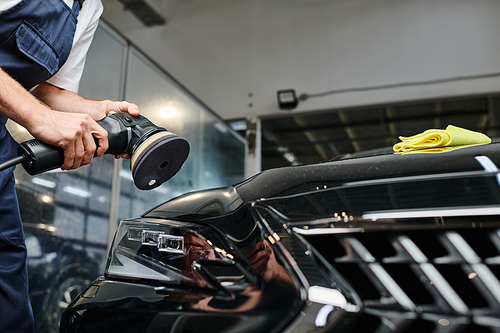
x: 387, y: 188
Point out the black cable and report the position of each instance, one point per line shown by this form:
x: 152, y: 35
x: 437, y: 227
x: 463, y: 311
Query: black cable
x: 12, y: 162
x: 303, y: 97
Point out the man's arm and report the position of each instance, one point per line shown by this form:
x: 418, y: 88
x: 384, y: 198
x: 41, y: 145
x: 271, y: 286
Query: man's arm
x: 67, y: 101
x: 73, y: 132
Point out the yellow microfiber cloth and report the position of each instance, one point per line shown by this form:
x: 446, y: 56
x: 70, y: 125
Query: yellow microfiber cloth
x: 434, y: 138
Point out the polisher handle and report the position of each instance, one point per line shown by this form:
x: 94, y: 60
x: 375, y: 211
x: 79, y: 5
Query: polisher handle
x: 41, y: 157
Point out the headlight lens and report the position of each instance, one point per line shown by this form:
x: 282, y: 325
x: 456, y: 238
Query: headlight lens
x: 165, y: 251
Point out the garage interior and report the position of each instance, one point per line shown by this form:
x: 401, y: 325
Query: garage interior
x: 373, y: 70
x: 364, y: 72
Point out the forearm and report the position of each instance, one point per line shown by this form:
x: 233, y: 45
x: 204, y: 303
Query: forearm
x: 67, y: 101
x: 74, y: 133
x: 18, y: 104
x: 66, y: 120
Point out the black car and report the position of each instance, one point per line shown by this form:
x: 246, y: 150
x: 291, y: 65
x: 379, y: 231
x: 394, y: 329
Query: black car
x: 383, y: 243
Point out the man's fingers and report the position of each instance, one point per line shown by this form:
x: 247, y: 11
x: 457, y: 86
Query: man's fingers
x: 79, y: 152
x: 130, y: 108
x: 89, y: 144
x: 79, y: 148
x: 101, y: 135
x: 69, y: 156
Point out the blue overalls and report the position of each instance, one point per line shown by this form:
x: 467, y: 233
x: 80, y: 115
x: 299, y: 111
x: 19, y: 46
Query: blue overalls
x: 36, y: 37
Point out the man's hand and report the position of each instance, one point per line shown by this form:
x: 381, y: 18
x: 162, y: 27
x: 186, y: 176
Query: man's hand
x: 73, y: 104
x: 74, y: 133
x: 122, y: 107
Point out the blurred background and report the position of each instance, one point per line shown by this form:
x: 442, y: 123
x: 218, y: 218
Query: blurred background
x: 253, y: 85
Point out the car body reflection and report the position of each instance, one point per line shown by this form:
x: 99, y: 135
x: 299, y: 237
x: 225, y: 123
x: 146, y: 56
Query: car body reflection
x: 382, y: 243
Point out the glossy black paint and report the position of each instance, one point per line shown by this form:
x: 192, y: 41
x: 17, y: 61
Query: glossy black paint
x: 302, y: 179
x: 327, y: 225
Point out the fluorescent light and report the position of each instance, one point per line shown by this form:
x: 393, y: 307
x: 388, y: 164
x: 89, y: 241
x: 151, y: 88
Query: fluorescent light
x: 238, y: 125
x: 326, y: 296
x: 126, y: 174
x: 46, y: 198
x: 290, y: 157
x: 43, y: 182
x: 326, y: 231
x: 488, y: 165
x: 76, y: 191
x: 322, y: 315
x: 220, y: 127
x: 167, y: 112
x: 444, y: 212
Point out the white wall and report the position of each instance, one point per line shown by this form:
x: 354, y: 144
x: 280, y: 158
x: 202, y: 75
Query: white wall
x: 222, y: 50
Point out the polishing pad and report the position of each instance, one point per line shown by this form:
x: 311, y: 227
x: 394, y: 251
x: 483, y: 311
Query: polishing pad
x: 158, y: 159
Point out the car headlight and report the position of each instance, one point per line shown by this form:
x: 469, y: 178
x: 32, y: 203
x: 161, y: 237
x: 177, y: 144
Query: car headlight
x: 167, y: 251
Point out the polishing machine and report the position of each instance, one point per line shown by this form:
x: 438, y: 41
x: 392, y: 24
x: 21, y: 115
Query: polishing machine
x: 156, y: 154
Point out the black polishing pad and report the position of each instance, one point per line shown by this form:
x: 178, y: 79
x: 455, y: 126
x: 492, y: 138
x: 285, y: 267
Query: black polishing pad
x: 158, y: 159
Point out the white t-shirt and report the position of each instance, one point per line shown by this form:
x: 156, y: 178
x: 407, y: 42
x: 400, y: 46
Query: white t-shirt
x: 68, y: 77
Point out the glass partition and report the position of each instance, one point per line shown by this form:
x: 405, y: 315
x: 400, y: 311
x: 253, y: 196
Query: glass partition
x: 217, y: 156
x: 163, y: 102
x: 223, y: 154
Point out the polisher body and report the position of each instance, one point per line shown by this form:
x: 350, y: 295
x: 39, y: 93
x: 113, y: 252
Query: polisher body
x: 156, y: 154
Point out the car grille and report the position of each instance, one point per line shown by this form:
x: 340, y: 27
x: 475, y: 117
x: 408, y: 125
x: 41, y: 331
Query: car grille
x: 434, y: 280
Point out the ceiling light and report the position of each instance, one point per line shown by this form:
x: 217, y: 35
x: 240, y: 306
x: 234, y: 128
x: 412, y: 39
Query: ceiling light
x: 167, y: 112
x: 76, y: 191
x: 144, y: 12
x: 238, y: 125
x: 287, y: 99
x: 43, y: 182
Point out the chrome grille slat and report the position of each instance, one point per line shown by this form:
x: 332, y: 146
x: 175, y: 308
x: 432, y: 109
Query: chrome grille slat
x: 486, y: 282
x: 406, y: 250
x: 439, y: 288
x: 355, y: 251
x: 443, y: 288
x: 462, y: 247
x: 493, y: 323
x: 453, y: 257
x: 391, y: 286
x: 382, y: 280
x: 392, y: 321
x: 440, y: 262
x: 454, y: 307
x: 495, y: 239
x: 447, y: 324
